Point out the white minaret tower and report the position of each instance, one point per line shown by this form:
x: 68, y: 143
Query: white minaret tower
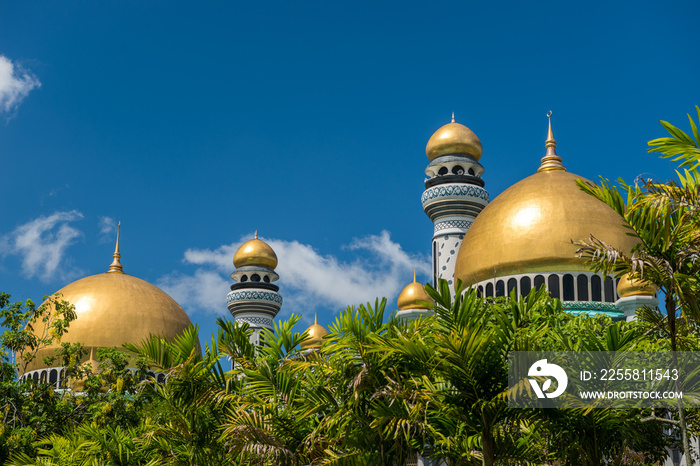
x: 454, y: 192
x: 254, y: 299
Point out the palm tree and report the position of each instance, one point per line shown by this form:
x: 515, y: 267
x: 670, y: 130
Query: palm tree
x: 665, y: 218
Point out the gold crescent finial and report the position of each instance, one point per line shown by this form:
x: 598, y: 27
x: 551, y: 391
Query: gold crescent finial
x: 550, y: 161
x: 453, y: 117
x: 116, y: 265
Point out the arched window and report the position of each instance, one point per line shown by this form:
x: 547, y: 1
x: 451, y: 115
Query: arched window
x: 596, y: 291
x: 43, y: 376
x: 525, y: 286
x: 582, y: 286
x: 539, y: 281
x: 568, y: 288
x: 609, y: 290
x: 35, y: 376
x: 553, y: 286
x: 160, y: 378
x: 53, y: 375
x: 255, y: 277
x: 512, y: 285
x: 489, y: 290
x: 480, y: 291
x: 266, y: 279
x: 244, y: 278
x: 500, y: 288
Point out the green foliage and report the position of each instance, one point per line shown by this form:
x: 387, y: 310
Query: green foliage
x: 379, y: 391
x: 680, y: 146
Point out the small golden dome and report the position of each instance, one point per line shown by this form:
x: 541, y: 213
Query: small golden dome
x: 453, y: 138
x: 316, y: 333
x: 255, y: 252
x: 412, y: 294
x: 113, y: 309
x: 530, y: 227
x: 627, y: 287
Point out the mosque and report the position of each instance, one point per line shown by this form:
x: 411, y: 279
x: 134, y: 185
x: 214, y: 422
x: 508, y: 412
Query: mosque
x: 520, y: 240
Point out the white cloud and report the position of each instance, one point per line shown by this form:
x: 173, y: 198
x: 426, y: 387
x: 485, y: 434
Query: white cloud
x: 41, y: 244
x: 15, y: 84
x: 308, y: 280
x: 205, y: 290
x: 108, y: 229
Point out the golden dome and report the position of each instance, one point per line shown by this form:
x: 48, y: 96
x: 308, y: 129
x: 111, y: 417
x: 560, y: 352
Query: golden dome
x: 530, y: 226
x: 453, y: 138
x: 412, y: 294
x: 627, y: 287
x: 316, y: 333
x: 255, y: 252
x: 114, y: 308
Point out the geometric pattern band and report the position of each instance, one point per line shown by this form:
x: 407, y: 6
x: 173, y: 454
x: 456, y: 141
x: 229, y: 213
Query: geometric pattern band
x: 254, y: 295
x: 455, y: 191
x: 256, y: 321
x: 461, y: 224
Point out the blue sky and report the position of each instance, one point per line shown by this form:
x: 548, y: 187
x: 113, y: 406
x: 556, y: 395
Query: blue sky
x: 197, y: 123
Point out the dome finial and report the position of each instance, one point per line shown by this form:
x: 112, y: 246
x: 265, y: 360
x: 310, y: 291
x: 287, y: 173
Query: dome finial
x: 256, y: 234
x: 551, y: 161
x: 116, y: 266
x: 414, y: 275
x: 315, y: 319
x: 453, y: 117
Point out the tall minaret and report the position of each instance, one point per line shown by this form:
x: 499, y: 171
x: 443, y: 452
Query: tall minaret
x: 454, y: 192
x: 254, y: 299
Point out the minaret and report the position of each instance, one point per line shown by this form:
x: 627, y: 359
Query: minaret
x: 454, y: 192
x: 254, y: 299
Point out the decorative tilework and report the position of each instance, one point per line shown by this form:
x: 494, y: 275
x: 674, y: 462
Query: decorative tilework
x: 462, y: 224
x: 454, y: 190
x: 256, y: 320
x: 254, y: 295
x: 589, y: 305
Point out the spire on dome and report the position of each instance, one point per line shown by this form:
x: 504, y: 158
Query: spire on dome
x: 453, y: 117
x: 116, y: 266
x: 551, y: 161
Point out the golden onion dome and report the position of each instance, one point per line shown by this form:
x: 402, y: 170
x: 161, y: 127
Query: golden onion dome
x: 114, y: 308
x: 628, y: 287
x: 530, y: 227
x: 453, y: 138
x: 412, y: 295
x: 316, y: 333
x: 255, y: 252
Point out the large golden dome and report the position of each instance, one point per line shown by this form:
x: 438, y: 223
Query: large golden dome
x: 530, y: 227
x: 453, y: 138
x: 255, y: 252
x: 116, y: 308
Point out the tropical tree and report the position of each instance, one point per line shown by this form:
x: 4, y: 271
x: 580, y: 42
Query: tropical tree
x: 665, y: 217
